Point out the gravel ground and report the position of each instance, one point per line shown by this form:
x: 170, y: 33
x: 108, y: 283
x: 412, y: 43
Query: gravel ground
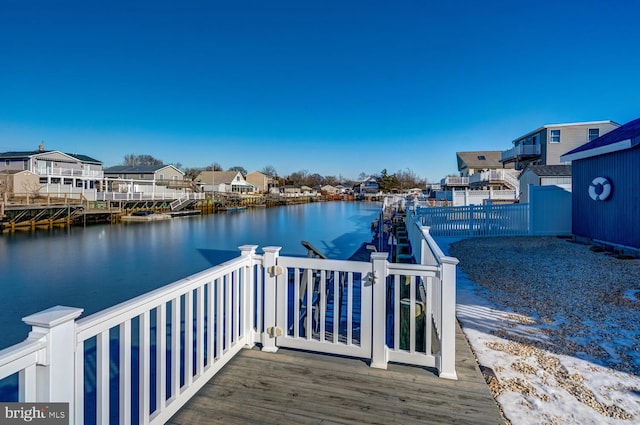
x: 560, y: 299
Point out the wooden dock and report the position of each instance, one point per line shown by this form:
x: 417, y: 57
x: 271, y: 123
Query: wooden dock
x: 297, y: 387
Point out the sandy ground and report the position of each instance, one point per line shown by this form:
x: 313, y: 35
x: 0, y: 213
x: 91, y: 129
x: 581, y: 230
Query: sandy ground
x: 557, y: 323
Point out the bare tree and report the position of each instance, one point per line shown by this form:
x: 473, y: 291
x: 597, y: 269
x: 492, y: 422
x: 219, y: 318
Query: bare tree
x: 214, y: 167
x: 135, y: 160
x: 269, y: 170
x: 238, y: 168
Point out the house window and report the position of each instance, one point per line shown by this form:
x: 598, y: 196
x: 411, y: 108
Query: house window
x: 481, y: 157
x: 594, y: 133
x: 555, y: 136
x: 7, y: 162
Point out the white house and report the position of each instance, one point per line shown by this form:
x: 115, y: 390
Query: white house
x: 223, y: 182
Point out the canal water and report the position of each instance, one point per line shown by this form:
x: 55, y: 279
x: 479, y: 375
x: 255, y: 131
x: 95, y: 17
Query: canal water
x: 99, y: 266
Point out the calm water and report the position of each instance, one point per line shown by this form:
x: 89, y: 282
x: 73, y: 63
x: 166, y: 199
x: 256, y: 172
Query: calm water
x: 99, y: 266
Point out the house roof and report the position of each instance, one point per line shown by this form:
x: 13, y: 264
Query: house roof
x: 29, y: 154
x: 136, y: 169
x: 219, y: 177
x: 549, y: 170
x: 623, y: 137
x: 479, y: 159
x: 569, y: 124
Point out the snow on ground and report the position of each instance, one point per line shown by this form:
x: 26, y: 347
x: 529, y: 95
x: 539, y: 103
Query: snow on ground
x: 557, y: 323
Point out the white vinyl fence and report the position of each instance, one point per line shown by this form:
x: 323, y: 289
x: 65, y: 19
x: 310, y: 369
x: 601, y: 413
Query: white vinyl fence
x: 548, y: 213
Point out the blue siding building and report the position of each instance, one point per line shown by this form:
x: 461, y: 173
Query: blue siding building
x: 606, y: 187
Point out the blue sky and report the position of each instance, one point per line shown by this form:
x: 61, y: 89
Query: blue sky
x: 331, y: 87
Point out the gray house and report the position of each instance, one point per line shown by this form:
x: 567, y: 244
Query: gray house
x: 544, y: 175
x: 59, y: 174
x: 545, y: 145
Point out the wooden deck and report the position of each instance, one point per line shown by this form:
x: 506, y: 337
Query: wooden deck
x: 295, y: 387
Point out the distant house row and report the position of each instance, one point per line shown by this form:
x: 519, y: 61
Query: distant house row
x: 59, y: 174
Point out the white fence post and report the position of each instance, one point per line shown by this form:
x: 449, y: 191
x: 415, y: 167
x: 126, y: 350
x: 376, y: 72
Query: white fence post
x: 248, y: 292
x: 447, y: 367
x: 56, y: 369
x: 271, y: 271
x: 379, y: 356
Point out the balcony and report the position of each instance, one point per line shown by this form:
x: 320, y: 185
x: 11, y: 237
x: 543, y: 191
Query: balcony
x: 69, y: 172
x: 520, y: 152
x: 455, y: 181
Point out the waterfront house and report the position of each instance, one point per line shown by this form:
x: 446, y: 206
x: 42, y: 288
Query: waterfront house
x: 261, y: 181
x: 291, y: 190
x: 60, y: 174
x: 328, y: 189
x: 544, y: 175
x: 223, y: 182
x: 148, y: 180
x: 369, y: 185
x: 545, y: 145
x: 605, y: 180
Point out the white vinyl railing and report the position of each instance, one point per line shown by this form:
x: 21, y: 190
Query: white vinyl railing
x: 72, y: 172
x: 468, y: 197
x: 520, y: 150
x: 144, y: 196
x: 142, y: 360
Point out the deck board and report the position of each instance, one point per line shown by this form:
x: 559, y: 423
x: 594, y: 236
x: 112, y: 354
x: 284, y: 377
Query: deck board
x: 298, y: 387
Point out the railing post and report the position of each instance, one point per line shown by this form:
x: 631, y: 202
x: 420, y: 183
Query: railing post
x: 55, y: 374
x: 424, y: 246
x: 379, y: 356
x: 270, y: 300
x: 447, y: 367
x: 248, y: 292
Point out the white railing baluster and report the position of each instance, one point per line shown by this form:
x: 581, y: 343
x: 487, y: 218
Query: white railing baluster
x: 350, y: 309
x: 102, y: 377
x: 219, y: 317
x: 296, y: 302
x: 27, y: 384
x: 396, y: 312
x: 175, y: 346
x: 228, y: 310
x: 79, y: 383
x: 161, y: 356
x: 144, y: 378
x: 428, y: 314
x: 188, y: 338
x: 412, y: 314
x: 309, y: 292
x: 337, y: 283
x: 200, y: 343
x: 125, y: 373
x: 236, y: 310
x: 210, y: 342
x: 322, y: 304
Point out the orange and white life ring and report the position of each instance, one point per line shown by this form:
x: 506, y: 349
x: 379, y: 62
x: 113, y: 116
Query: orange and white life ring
x: 599, y: 189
